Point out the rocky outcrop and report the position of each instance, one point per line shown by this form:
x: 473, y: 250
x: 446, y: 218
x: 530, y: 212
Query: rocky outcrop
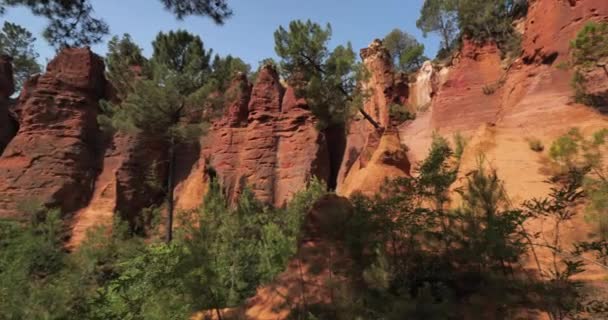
x: 425, y: 87
x: 365, y: 144
x: 551, y: 25
x: 100, y: 210
x: 272, y: 146
x: 140, y: 177
x: 7, y: 88
x: 498, y: 109
x: 462, y: 103
x: 54, y: 156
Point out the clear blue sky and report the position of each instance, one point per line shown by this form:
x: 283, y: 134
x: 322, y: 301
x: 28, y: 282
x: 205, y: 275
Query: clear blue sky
x: 249, y: 33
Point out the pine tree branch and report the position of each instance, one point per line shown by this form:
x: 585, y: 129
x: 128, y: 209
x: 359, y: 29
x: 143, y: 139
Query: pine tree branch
x: 343, y: 91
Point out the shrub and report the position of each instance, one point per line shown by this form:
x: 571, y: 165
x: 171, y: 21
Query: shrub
x: 460, y: 144
x: 400, y: 113
x: 536, y: 145
x: 589, y: 51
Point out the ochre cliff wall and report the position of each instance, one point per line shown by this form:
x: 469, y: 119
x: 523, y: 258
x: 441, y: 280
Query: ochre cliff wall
x: 54, y: 156
x: 267, y: 139
x: 372, y: 154
x: 267, y: 142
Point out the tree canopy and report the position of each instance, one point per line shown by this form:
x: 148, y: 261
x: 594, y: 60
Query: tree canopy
x: 18, y: 43
x: 72, y: 23
x: 328, y: 79
x: 440, y: 16
x: 406, y: 51
x: 167, y: 99
x: 478, y: 20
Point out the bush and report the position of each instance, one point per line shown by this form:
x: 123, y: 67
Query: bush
x: 536, y: 145
x: 460, y: 144
x: 589, y: 51
x: 400, y: 113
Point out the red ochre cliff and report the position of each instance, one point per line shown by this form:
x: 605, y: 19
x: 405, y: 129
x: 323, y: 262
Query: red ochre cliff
x: 267, y: 138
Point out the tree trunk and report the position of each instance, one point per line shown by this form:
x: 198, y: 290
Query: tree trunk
x: 170, y: 204
x: 369, y: 118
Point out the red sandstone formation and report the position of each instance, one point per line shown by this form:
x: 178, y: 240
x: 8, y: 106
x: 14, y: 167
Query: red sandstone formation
x: 101, y: 208
x: 363, y: 167
x: 271, y: 146
x: 7, y: 88
x: 54, y: 156
x: 551, y: 25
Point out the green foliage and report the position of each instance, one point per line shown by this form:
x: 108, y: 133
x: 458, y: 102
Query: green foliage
x: 573, y: 151
x: 419, y: 260
x: 124, y: 63
x: 460, y: 143
x: 560, y: 208
x: 440, y: 16
x: 588, y: 52
x: 400, y: 113
x: 180, y: 56
x: 236, y: 250
x: 328, y: 79
x: 217, y: 10
x: 478, y: 20
x: 436, y: 174
x: 567, y: 148
x: 159, y: 96
x: 491, y: 237
x: 485, y: 20
x: 406, y: 51
x: 590, y: 47
x: 18, y: 43
x: 225, y: 68
x: 71, y: 23
x: 217, y: 262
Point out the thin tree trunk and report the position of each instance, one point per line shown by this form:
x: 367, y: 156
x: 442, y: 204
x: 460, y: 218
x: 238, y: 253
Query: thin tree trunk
x: 369, y: 119
x: 170, y: 202
x: 219, y: 314
x: 343, y: 91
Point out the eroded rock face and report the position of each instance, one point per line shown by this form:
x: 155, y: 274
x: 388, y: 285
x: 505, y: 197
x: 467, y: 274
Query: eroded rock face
x: 272, y: 146
x: 7, y: 88
x: 364, y: 143
x: 533, y: 100
x: 54, y: 158
x: 140, y: 177
x: 551, y: 25
x: 425, y: 87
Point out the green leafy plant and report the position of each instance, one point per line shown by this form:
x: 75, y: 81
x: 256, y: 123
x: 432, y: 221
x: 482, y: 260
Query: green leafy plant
x: 406, y: 51
x: 589, y: 51
x: 400, y: 113
x: 18, y: 43
x: 460, y: 143
x: 328, y: 79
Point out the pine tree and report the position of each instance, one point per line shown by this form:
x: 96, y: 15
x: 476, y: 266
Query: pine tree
x: 590, y: 48
x: 167, y: 102
x: 440, y: 16
x: 71, y: 23
x: 406, y: 51
x: 124, y: 63
x: 225, y: 68
x: 18, y: 43
x: 328, y: 79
